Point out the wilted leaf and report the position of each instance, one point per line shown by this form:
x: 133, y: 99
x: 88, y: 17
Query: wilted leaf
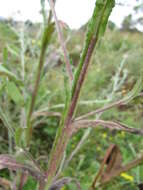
x: 114, y: 167
x: 112, y: 160
x: 5, y: 183
x: 140, y: 186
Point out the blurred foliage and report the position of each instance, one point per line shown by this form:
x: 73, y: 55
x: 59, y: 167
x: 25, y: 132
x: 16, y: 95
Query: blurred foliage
x: 21, y: 42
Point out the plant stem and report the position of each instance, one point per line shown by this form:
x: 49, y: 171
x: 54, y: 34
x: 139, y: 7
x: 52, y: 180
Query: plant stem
x: 34, y: 94
x: 64, y: 137
x: 100, y: 16
x: 46, y: 38
x: 60, y: 35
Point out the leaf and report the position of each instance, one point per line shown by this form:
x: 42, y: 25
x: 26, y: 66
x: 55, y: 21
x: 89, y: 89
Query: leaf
x: 114, y: 168
x: 112, y: 160
x: 96, y: 29
x: 134, y: 92
x: 47, y: 36
x: 5, y: 55
x: 13, y: 50
x: 5, y: 183
x: 4, y: 119
x: 18, y: 135
x: 140, y: 186
x: 7, y: 161
x: 14, y: 93
x: 10, y: 75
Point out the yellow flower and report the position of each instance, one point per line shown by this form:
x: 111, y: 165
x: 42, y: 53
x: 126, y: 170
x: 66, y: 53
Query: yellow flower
x: 33, y: 42
x: 39, y: 43
x: 122, y: 134
x: 111, y: 138
x: 98, y: 148
x: 104, y: 135
x: 127, y: 177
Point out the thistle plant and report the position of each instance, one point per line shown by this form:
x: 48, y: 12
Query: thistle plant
x: 69, y: 124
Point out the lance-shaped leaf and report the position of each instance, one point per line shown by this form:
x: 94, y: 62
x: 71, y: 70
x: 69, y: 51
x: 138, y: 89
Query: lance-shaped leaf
x: 96, y: 29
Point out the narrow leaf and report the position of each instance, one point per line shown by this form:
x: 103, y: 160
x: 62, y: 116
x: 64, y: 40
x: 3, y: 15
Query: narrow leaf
x: 134, y: 92
x: 96, y: 29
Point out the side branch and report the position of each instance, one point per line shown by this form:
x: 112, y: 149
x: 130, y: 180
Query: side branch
x: 105, y: 108
x: 106, y: 124
x: 60, y: 36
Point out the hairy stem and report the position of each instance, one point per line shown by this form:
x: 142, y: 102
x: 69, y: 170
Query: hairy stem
x: 60, y: 35
x: 100, y: 16
x: 46, y: 38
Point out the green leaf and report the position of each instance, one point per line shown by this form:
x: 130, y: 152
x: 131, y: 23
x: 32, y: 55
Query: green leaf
x: 6, y: 123
x: 96, y: 29
x: 14, y: 93
x: 10, y: 75
x: 18, y: 134
x: 13, y: 50
x: 5, y: 55
x: 47, y: 36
